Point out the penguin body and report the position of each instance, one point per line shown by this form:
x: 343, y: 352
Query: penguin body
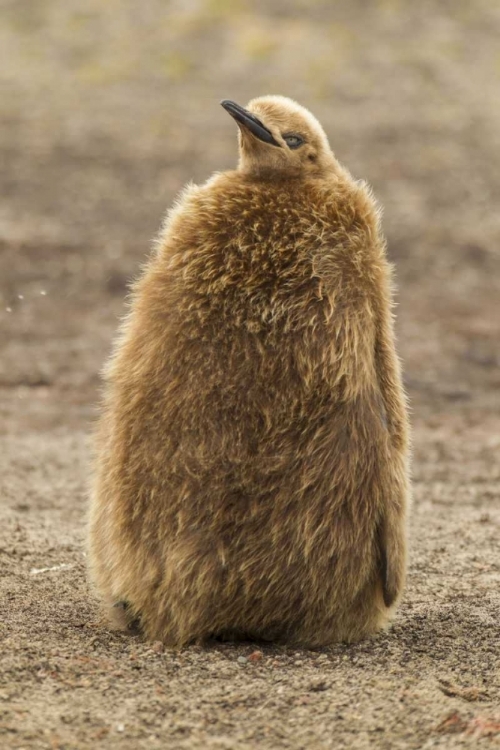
x: 252, y: 455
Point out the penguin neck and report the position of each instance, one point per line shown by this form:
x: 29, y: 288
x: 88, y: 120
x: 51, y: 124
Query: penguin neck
x: 293, y: 174
x: 271, y: 174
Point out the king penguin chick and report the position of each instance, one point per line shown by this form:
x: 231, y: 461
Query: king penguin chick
x: 252, y: 455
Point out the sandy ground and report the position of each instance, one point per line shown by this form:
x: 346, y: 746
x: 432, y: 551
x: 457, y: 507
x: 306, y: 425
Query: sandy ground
x: 107, y: 110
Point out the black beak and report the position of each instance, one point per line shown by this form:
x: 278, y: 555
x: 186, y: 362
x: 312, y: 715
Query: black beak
x: 249, y: 121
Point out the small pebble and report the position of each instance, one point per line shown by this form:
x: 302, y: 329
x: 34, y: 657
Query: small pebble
x: 318, y: 687
x: 302, y: 700
x: 242, y: 659
x: 8, y: 309
x: 43, y: 293
x: 255, y: 656
x: 120, y: 727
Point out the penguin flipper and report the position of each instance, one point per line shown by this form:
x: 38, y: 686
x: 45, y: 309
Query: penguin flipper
x: 122, y: 618
x: 392, y: 556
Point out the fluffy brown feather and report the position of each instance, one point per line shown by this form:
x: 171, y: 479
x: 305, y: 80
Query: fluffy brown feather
x: 252, y: 455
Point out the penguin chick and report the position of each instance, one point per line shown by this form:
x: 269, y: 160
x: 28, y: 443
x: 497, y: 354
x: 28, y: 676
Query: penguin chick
x: 252, y: 455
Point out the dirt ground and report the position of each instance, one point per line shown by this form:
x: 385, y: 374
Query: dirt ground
x: 107, y: 109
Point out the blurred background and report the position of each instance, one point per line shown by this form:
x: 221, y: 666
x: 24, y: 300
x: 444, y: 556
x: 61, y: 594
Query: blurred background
x: 109, y: 108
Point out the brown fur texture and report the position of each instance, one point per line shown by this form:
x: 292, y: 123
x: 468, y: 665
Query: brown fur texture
x: 252, y: 456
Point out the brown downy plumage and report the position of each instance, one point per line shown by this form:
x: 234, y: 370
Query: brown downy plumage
x: 252, y: 476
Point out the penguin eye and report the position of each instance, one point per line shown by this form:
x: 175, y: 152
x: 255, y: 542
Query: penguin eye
x: 293, y: 141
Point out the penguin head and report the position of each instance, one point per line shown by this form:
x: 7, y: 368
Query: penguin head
x: 277, y: 135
